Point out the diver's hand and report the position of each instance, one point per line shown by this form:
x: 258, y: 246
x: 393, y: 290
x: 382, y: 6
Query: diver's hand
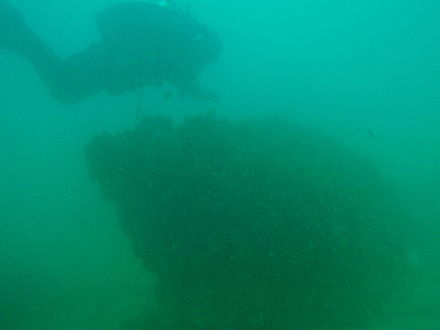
x: 206, y: 95
x: 194, y: 90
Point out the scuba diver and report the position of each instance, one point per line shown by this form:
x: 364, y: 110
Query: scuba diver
x: 141, y: 45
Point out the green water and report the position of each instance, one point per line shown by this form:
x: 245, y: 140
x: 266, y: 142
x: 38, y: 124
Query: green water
x: 364, y: 73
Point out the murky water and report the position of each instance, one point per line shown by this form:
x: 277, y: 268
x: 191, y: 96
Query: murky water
x: 364, y: 74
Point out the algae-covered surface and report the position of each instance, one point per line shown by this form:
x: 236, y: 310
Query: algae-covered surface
x: 259, y: 224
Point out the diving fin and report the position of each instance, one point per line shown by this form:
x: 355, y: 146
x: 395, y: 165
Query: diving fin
x: 16, y: 35
x: 14, y: 32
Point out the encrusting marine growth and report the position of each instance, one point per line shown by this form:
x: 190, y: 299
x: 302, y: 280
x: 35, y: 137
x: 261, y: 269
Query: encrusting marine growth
x: 258, y: 224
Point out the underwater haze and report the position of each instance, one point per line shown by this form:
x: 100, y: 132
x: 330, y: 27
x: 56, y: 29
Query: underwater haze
x: 359, y: 81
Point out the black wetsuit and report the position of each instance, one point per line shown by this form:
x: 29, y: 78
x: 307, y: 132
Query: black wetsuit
x: 141, y: 45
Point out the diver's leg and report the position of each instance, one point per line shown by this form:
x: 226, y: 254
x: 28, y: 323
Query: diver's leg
x: 69, y: 80
x: 12, y: 26
x: 16, y: 35
x: 80, y: 75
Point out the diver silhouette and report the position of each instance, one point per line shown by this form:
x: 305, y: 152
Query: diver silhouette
x: 141, y: 45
